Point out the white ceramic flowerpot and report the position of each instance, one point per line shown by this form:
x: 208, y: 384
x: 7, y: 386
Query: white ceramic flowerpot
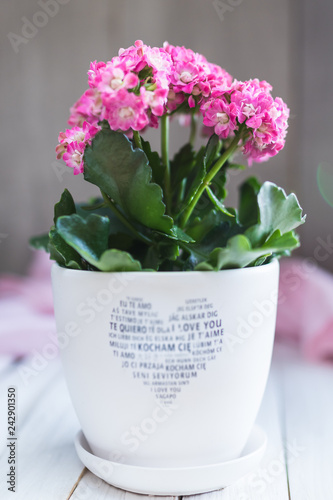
x: 166, y: 369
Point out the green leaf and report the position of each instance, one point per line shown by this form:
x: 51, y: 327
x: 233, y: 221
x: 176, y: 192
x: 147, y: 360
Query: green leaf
x: 145, y: 73
x: 121, y: 241
x: 276, y: 211
x: 89, y: 237
x: 240, y: 253
x: 260, y: 261
x: 212, y: 149
x: 219, y: 183
x: 124, y: 174
x: 201, y: 226
x: 189, y: 263
x: 281, y: 242
x: 65, y: 206
x: 59, y: 250
x: 194, y: 180
x: 204, y: 266
x: 211, y: 231
x: 217, y: 203
x: 161, y: 253
x: 151, y: 258
x: 180, y: 235
x: 203, y: 160
x: 182, y: 164
x: 116, y: 225
x: 248, y: 212
x: 62, y: 253
x: 40, y: 242
x: 158, y: 169
x: 237, y: 253
x: 117, y: 261
x: 275, y: 214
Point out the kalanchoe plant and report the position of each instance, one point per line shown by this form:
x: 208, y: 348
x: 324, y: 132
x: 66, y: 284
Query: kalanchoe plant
x: 157, y: 213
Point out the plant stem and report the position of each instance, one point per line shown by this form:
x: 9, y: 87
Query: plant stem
x: 137, y: 139
x: 209, y: 176
x: 165, y: 160
x: 123, y: 219
x: 193, y: 129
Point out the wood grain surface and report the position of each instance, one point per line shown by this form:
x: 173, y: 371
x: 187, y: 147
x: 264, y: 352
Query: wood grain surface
x: 296, y: 413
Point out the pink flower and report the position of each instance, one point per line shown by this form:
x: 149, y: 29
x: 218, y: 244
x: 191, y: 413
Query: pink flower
x: 74, y: 156
x: 79, y: 135
x: 252, y: 99
x: 75, y: 134
x: 94, y: 73
x: 191, y: 102
x: 140, y: 56
x: 257, y: 152
x: 248, y: 104
x: 126, y: 110
x: 73, y: 143
x: 88, y: 108
x: 122, y: 73
x: 280, y: 113
x: 265, y: 118
x: 193, y: 74
x: 175, y: 100
x: 188, y: 69
x: 115, y: 77
x: 156, y: 58
x: 155, y: 99
x: 153, y: 122
x: 221, y: 115
x: 132, y: 57
x: 218, y: 79
x: 143, y: 83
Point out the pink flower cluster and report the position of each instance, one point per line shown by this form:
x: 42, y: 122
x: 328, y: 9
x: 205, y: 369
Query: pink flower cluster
x: 193, y: 77
x: 249, y: 106
x: 130, y: 91
x: 133, y: 90
x: 72, y: 144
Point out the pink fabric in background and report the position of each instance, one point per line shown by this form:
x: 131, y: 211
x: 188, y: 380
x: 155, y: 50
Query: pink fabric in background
x: 305, y: 313
x: 26, y: 309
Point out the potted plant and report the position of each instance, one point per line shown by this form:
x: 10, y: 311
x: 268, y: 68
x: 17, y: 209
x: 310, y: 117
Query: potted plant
x: 166, y: 295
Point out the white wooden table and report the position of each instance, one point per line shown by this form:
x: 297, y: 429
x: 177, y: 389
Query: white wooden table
x: 297, y: 414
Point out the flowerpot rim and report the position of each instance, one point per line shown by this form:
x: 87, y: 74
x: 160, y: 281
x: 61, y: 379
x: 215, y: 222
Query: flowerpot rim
x: 255, y: 270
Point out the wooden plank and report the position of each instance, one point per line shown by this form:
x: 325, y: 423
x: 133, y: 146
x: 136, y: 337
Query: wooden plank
x: 298, y: 403
x: 5, y: 363
x: 45, y: 444
x: 269, y: 481
x: 91, y: 486
x: 47, y: 463
x: 6, y: 368
x: 309, y: 430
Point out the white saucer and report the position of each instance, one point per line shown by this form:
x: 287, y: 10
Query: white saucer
x: 174, y: 481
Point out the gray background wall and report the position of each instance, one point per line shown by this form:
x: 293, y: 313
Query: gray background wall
x: 288, y: 43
